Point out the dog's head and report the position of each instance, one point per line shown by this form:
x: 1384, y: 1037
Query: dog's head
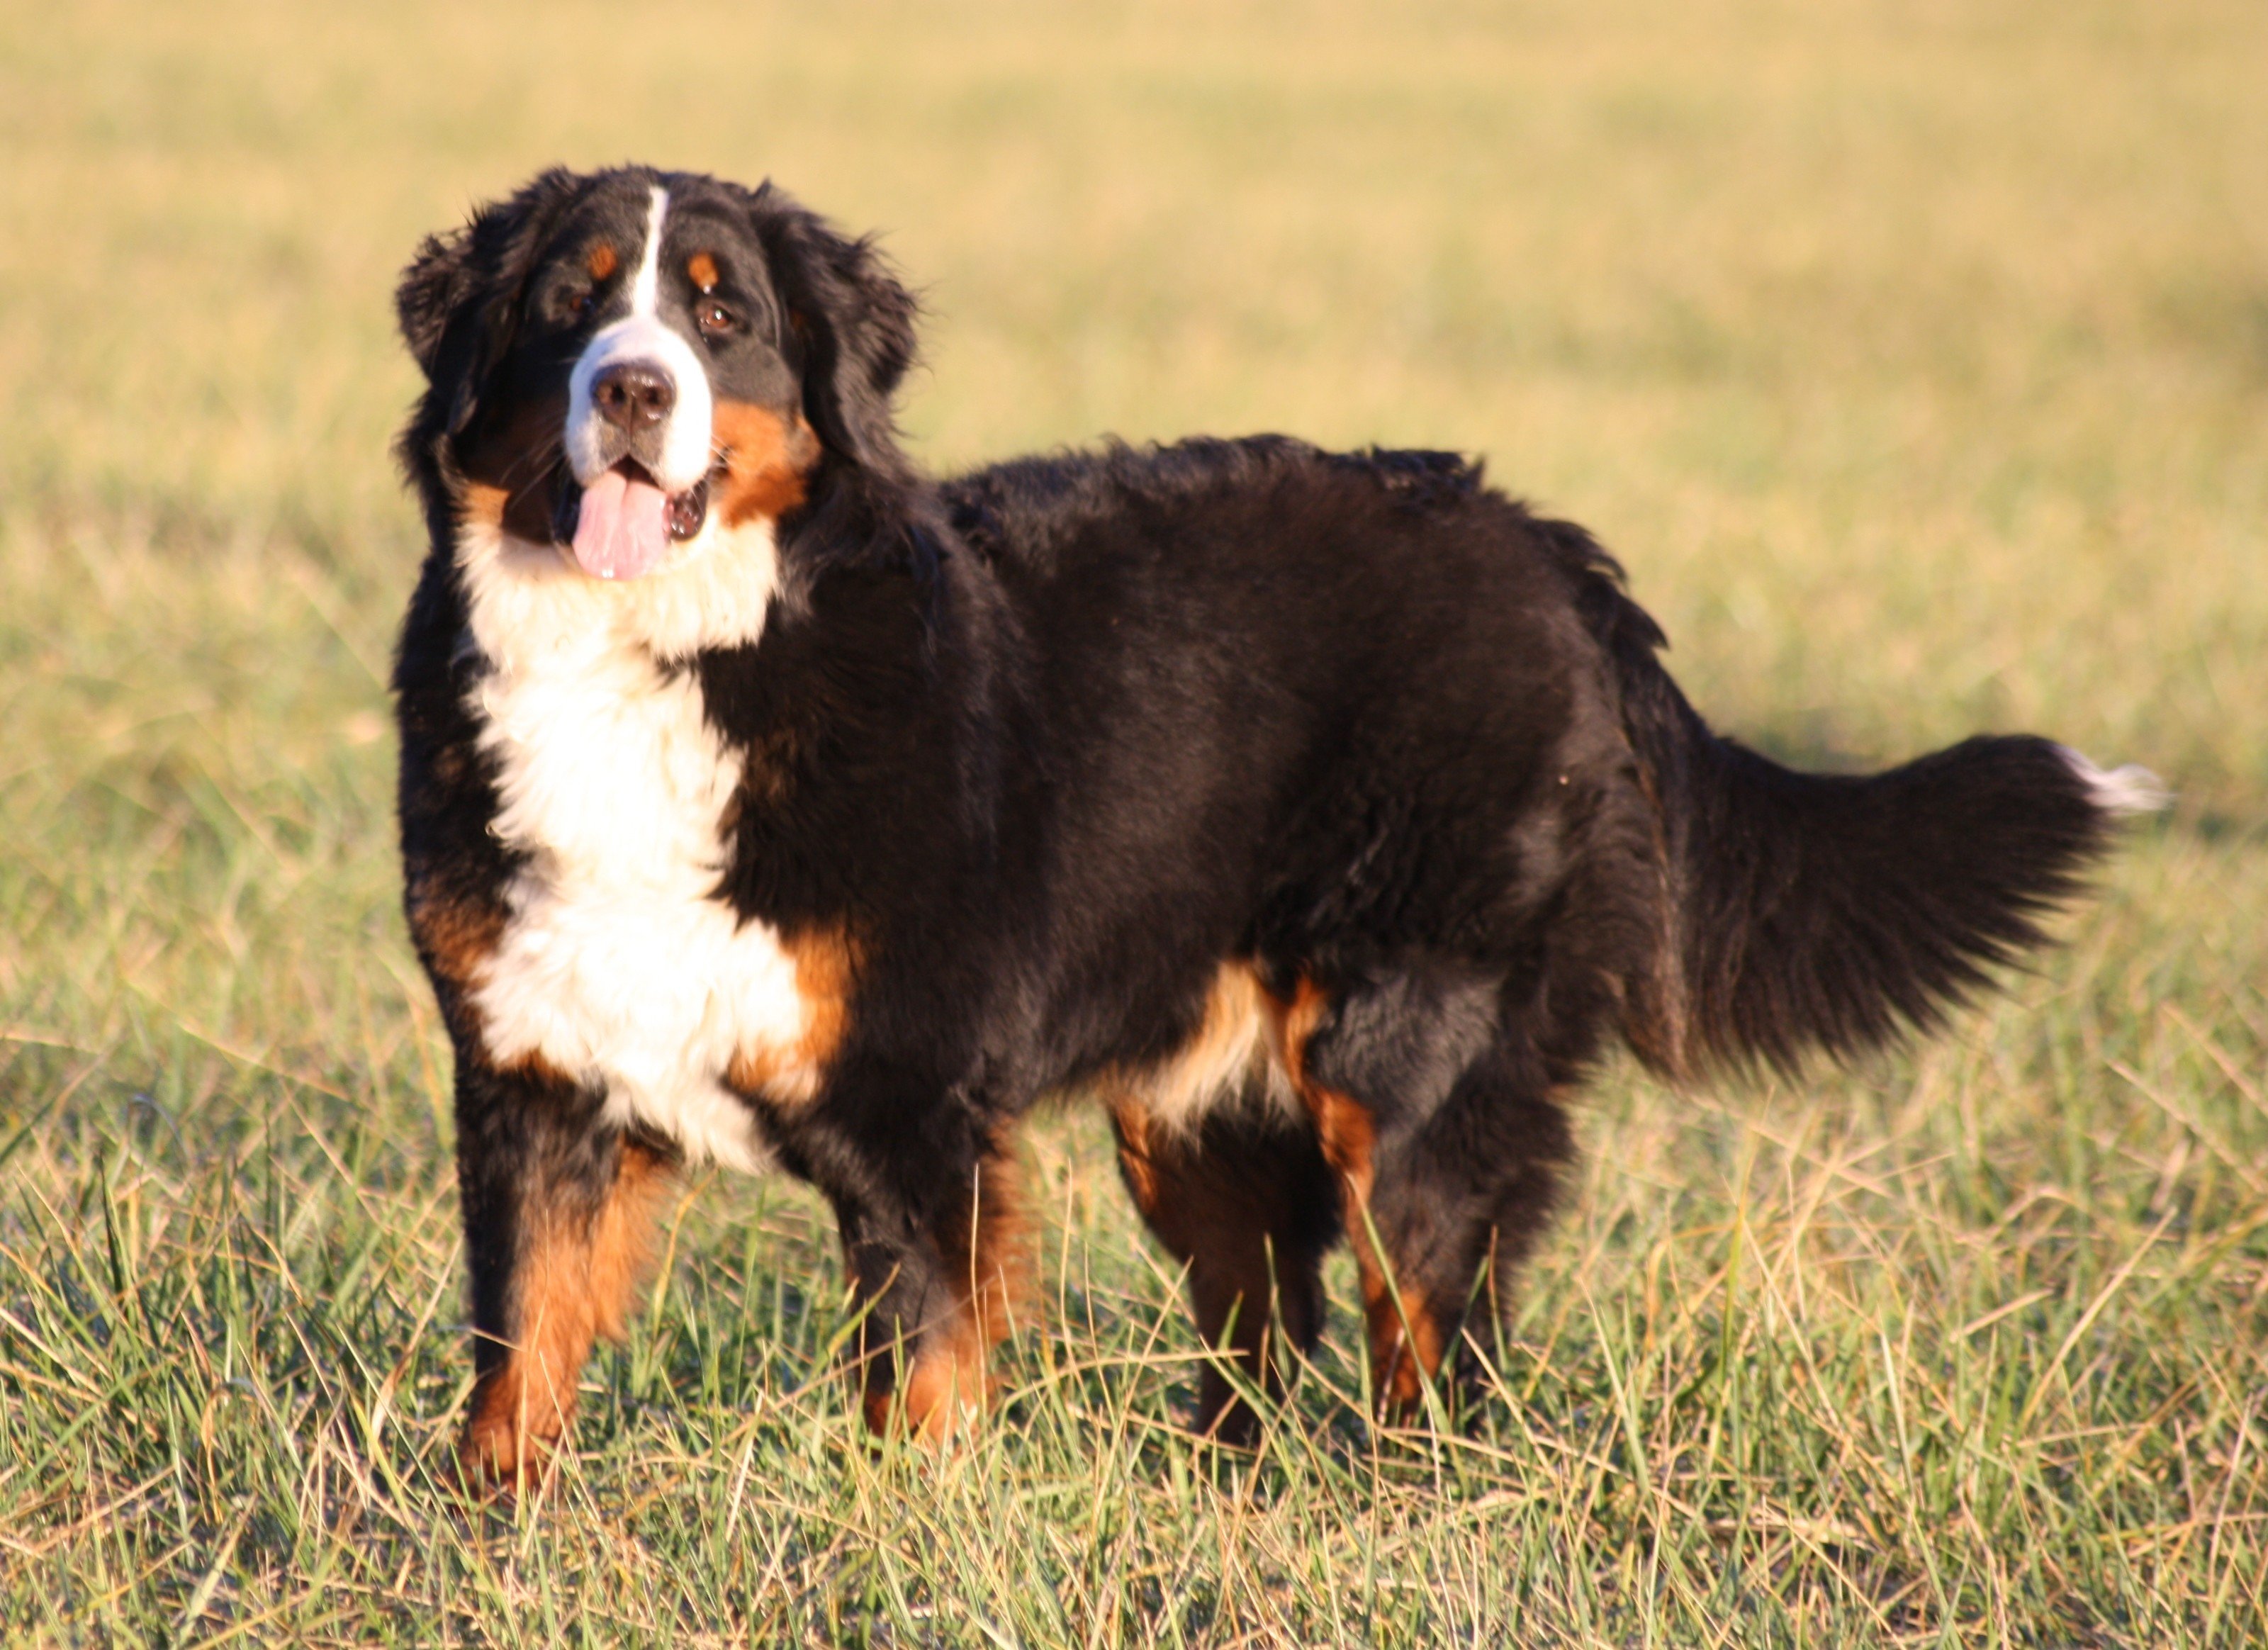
x: 627, y: 363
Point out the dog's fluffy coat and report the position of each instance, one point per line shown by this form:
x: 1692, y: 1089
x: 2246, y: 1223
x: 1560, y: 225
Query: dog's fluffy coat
x: 1322, y: 814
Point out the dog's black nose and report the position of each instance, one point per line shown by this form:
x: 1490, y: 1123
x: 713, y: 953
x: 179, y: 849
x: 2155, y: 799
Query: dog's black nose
x: 633, y: 394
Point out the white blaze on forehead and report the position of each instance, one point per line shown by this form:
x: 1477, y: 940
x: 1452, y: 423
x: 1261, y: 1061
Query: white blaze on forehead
x: 687, y: 440
x: 645, y: 289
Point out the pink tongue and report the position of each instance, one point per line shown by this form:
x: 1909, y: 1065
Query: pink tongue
x: 624, y: 529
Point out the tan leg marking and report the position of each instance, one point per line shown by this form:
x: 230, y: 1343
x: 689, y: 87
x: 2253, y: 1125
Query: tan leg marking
x: 947, y: 1384
x: 577, y: 1276
x: 1405, y: 1343
x: 1236, y: 1223
x: 1137, y: 1156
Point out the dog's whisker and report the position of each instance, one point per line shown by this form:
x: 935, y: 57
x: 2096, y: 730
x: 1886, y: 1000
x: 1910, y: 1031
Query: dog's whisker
x: 551, y: 454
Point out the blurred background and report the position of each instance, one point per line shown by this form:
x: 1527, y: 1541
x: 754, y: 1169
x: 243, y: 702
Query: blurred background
x: 1912, y: 354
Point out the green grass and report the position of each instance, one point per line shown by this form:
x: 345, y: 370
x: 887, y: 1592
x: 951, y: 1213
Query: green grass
x: 1914, y: 357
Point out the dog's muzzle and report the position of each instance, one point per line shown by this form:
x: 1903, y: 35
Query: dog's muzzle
x: 640, y: 447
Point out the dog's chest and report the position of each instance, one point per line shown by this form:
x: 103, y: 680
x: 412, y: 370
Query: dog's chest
x: 618, y: 964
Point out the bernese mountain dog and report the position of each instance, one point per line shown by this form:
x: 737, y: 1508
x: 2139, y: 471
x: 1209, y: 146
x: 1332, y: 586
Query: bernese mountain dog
x: 1322, y: 816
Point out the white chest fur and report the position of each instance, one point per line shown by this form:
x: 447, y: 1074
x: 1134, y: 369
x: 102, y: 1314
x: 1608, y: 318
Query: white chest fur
x: 617, y: 964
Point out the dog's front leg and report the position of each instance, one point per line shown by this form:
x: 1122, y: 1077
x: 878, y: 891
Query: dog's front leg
x: 558, y: 1209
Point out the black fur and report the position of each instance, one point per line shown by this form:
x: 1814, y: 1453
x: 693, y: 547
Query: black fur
x: 1058, y: 740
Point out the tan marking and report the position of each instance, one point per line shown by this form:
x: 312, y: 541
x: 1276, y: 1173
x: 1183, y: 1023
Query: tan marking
x: 1342, y: 1123
x: 574, y: 1280
x: 501, y: 491
x: 455, y: 937
x: 1135, y: 1151
x: 767, y: 460
x: 1292, y: 1023
x: 602, y: 260
x: 945, y: 1391
x: 1349, y: 1138
x: 1232, y: 1044
x: 1220, y: 1216
x: 1400, y: 1364
x: 789, y: 1073
x: 702, y: 269
x: 948, y: 1383
x: 480, y: 505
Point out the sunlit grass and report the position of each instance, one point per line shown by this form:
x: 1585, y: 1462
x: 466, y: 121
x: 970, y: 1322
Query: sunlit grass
x: 1916, y: 360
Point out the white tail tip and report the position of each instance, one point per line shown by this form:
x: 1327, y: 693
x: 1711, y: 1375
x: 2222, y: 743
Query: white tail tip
x: 2128, y: 790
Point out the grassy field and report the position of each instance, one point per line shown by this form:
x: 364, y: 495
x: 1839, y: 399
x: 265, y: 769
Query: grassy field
x: 1915, y: 358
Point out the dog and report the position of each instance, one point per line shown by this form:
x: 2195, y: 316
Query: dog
x: 1325, y: 816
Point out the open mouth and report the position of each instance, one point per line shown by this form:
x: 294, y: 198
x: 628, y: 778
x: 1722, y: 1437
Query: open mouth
x: 621, y: 524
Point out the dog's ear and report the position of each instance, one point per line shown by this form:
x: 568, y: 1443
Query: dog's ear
x: 460, y: 301
x: 435, y: 283
x: 855, y: 322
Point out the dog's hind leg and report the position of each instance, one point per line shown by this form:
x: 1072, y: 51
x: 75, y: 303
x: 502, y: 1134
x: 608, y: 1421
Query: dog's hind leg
x: 559, y: 1217
x: 1445, y: 1142
x: 1246, y: 1202
x: 1458, y: 1204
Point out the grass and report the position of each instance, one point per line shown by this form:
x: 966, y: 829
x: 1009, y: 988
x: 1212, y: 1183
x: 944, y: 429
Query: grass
x: 1916, y: 359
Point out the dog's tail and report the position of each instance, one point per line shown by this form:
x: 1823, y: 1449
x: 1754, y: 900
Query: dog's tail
x: 1801, y: 911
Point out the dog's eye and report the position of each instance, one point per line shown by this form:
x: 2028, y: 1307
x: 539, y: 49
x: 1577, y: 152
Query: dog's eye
x: 574, y: 303
x: 714, y: 319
